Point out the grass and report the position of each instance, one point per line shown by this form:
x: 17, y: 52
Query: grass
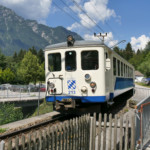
x: 43, y: 109
x: 142, y: 84
x: 2, y: 130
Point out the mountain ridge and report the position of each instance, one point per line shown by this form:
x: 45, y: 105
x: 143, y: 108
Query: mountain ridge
x: 18, y: 33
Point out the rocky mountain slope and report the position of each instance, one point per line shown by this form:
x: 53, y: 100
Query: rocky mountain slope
x: 17, y: 33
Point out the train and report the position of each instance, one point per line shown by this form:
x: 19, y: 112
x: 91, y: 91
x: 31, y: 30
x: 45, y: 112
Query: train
x: 85, y: 75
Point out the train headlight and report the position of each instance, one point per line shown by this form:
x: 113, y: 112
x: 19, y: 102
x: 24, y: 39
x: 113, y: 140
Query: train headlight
x: 70, y: 40
x: 51, y: 85
x: 87, y: 77
x: 92, y: 84
x: 84, y: 89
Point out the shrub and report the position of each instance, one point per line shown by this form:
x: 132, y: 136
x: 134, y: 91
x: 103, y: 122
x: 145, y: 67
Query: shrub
x: 8, y: 113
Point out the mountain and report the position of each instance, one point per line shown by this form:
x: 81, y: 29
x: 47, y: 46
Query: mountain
x: 17, y: 33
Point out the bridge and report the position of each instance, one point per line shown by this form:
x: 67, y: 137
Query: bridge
x: 21, y: 96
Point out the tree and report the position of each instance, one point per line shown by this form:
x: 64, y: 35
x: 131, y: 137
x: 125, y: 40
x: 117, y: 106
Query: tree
x: 21, y: 54
x: 41, y: 72
x: 40, y: 55
x: 8, y: 76
x: 144, y: 67
x: 128, y: 52
x: 29, y: 67
x: 2, y: 61
x: 1, y: 74
x: 33, y: 50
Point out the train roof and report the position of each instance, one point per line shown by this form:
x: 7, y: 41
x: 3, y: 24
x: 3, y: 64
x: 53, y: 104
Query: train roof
x: 81, y: 43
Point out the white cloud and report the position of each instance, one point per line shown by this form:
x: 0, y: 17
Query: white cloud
x: 140, y: 42
x: 95, y: 9
x: 29, y: 9
x: 74, y: 26
x: 109, y: 40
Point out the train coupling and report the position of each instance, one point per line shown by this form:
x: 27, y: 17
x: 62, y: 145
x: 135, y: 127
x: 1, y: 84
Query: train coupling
x: 65, y: 104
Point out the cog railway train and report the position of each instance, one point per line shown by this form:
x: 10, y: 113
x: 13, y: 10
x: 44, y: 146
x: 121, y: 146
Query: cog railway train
x: 83, y: 75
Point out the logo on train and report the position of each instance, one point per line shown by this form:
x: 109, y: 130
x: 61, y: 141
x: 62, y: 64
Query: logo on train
x: 71, y: 86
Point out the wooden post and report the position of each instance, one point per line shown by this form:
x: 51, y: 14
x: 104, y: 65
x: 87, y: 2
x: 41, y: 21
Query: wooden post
x: 104, y: 132
x: 94, y: 130
x: 10, y: 144
x: 110, y: 131
x: 133, y: 132
x: 126, y: 133
x: 17, y: 143
x: 115, y: 132
x: 121, y: 132
x: 91, y: 133
x: 2, y: 145
x: 99, y: 131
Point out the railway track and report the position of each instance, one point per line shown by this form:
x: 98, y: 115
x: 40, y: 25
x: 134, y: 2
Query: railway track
x: 54, y: 120
x: 116, y: 108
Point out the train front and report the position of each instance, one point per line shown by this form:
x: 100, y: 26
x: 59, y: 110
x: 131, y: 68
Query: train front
x: 75, y: 75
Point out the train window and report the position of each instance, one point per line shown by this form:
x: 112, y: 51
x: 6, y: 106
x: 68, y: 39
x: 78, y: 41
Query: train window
x: 106, y: 55
x: 124, y: 70
x: 128, y: 72
x: 54, y: 62
x: 89, y: 60
x: 118, y: 62
x: 121, y: 69
x: 70, y: 61
x: 114, y: 65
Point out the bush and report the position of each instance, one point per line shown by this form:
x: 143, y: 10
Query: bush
x: 8, y: 113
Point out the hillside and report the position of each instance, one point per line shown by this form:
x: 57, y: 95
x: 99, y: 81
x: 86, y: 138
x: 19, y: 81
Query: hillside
x: 17, y: 33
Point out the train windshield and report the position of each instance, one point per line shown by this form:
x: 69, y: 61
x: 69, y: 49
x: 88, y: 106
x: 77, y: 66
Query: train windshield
x: 89, y: 60
x: 70, y: 61
x: 54, y: 62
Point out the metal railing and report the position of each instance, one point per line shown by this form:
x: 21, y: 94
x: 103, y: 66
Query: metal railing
x: 141, y: 93
x: 143, y: 123
x: 21, y: 91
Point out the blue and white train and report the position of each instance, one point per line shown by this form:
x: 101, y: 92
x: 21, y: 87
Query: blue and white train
x: 85, y: 74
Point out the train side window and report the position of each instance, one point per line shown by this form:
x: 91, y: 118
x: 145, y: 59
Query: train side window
x: 70, y: 61
x: 54, y: 62
x: 126, y: 71
x: 121, y: 69
x: 118, y: 62
x: 114, y: 65
x: 89, y: 60
x: 106, y: 55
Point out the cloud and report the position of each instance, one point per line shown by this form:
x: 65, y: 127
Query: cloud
x: 29, y: 9
x: 109, y: 40
x: 74, y: 26
x: 140, y: 42
x: 95, y: 9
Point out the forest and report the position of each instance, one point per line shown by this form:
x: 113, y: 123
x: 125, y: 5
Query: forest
x: 24, y: 67
x: 140, y: 59
x: 27, y: 66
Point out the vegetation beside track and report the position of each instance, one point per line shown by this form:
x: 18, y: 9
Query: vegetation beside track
x: 142, y: 84
x: 43, y: 108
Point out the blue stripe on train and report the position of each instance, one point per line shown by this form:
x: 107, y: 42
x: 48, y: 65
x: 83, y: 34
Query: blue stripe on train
x: 84, y: 99
x: 122, y: 83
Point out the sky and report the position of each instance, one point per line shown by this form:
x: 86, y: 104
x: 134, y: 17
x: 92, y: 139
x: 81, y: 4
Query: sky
x: 120, y: 19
